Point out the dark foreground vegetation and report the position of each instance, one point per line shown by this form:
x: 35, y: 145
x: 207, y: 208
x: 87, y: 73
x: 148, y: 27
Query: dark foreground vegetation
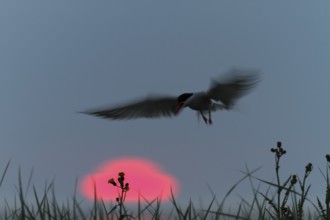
x: 285, y: 198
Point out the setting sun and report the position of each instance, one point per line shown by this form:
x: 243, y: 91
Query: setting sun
x: 145, y: 178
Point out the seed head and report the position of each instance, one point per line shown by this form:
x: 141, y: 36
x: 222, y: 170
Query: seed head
x: 327, y: 157
x: 112, y: 181
x: 308, y: 168
x: 293, y: 179
x: 126, y: 188
x: 121, y: 174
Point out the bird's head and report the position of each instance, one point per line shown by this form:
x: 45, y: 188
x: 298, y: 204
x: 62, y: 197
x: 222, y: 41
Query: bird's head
x: 181, y: 100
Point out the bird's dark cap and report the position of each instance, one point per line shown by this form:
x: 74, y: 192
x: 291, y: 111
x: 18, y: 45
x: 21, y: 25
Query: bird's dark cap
x: 183, y: 97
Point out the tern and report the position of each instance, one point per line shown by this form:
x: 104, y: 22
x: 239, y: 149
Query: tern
x: 221, y: 95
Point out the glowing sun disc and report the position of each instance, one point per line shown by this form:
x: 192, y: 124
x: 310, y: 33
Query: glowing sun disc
x: 145, y: 178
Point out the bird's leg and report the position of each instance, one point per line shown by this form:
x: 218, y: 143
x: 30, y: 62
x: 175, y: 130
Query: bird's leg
x: 205, y: 119
x: 210, y: 120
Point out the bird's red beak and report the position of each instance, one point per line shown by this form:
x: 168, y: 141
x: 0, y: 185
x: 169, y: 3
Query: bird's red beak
x: 178, y: 107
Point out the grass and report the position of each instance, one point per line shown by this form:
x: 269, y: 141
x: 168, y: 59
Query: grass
x: 284, y: 199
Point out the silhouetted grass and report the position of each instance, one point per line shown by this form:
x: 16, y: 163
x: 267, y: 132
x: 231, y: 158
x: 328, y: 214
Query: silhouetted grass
x: 284, y: 199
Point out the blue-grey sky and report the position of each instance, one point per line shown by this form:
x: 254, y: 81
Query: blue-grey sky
x: 61, y: 57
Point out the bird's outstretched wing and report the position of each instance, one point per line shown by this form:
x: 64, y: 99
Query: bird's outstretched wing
x: 150, y: 107
x: 238, y: 83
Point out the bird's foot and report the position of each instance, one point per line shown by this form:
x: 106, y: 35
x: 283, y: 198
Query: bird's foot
x: 210, y: 120
x: 205, y: 120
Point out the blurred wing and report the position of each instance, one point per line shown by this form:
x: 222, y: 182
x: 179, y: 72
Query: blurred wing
x: 152, y: 107
x: 237, y: 84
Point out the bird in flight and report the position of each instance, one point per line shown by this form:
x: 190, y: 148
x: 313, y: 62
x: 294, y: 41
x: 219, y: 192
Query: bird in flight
x: 221, y: 95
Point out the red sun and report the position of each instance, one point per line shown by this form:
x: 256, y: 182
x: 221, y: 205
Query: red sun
x: 146, y: 179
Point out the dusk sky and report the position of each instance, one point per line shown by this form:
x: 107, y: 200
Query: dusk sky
x: 58, y: 58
